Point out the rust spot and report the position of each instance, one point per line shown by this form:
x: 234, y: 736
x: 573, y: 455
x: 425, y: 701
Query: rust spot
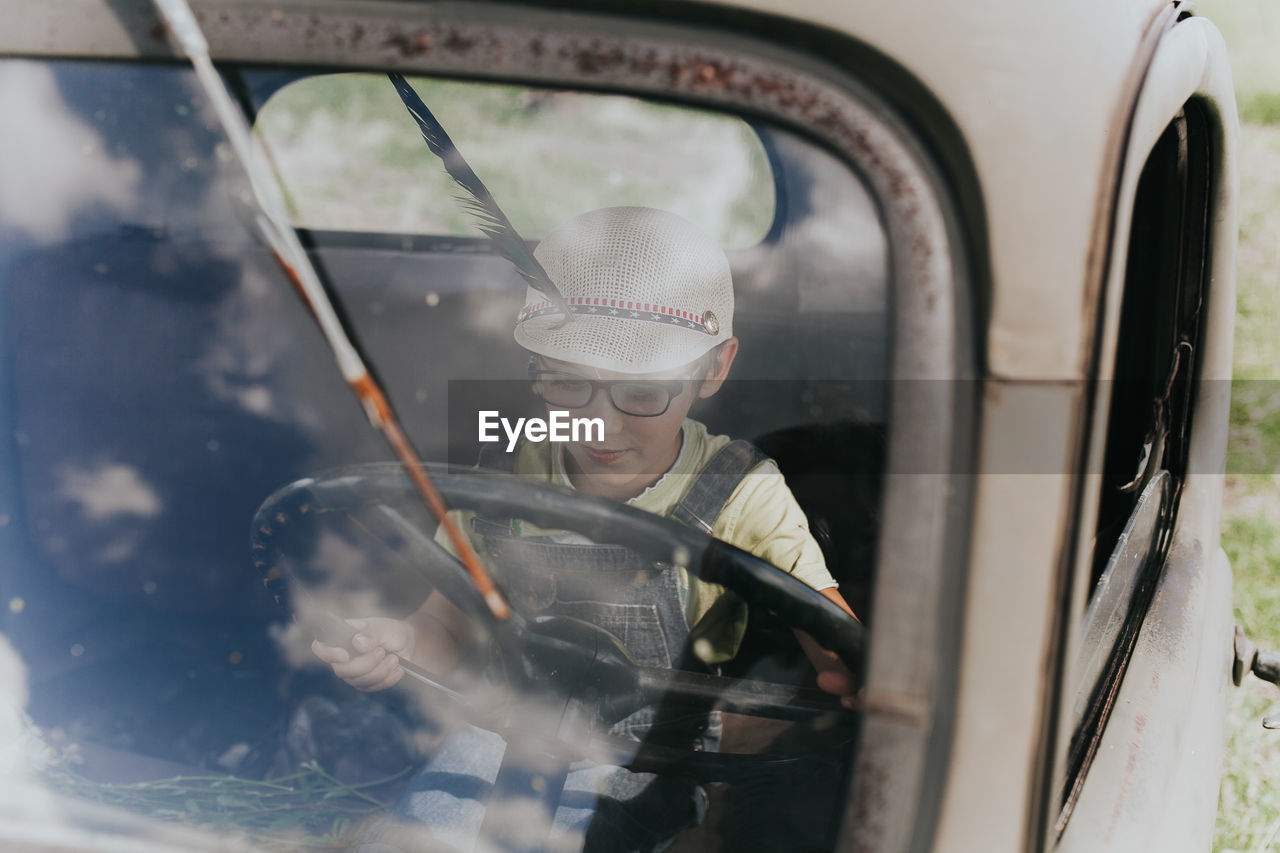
x: 418, y: 44
x: 281, y: 518
x: 596, y: 59
x: 871, y: 801
x: 499, y: 51
x: 456, y: 42
x: 645, y: 63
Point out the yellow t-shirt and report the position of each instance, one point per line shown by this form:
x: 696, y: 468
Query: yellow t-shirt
x: 761, y: 517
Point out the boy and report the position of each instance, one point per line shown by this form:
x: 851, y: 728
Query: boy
x: 651, y: 333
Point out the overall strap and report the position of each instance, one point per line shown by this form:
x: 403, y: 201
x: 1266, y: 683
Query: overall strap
x: 702, y: 504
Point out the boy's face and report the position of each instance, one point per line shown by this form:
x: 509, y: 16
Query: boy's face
x: 636, y: 451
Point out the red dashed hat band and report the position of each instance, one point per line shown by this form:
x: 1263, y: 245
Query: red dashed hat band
x: 625, y: 309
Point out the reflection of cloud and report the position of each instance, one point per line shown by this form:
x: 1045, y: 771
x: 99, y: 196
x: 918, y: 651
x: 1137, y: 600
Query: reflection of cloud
x: 842, y: 258
x: 341, y: 562
x: 244, y: 360
x: 21, y: 751
x: 62, y: 166
x: 490, y: 317
x: 256, y: 399
x: 13, y: 700
x: 108, y: 491
x: 339, y: 587
x: 120, y: 549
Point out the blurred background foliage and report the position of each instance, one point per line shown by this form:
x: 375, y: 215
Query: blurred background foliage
x: 351, y: 157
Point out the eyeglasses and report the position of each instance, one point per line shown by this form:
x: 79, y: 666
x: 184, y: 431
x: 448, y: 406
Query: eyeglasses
x: 640, y: 398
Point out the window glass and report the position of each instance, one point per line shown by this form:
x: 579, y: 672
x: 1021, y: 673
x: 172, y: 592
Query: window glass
x: 351, y: 159
x: 191, y: 494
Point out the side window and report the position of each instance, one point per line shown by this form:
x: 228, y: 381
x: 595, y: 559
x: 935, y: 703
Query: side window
x: 1149, y: 397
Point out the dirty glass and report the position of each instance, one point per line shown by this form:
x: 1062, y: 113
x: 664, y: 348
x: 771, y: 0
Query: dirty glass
x: 190, y: 494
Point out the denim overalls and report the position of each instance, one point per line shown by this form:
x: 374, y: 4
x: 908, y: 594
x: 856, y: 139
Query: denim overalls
x: 641, y: 603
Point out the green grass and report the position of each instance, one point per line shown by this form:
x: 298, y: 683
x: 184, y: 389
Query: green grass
x: 1254, y: 447
x: 1251, y: 29
x: 1249, y: 807
x: 1260, y: 108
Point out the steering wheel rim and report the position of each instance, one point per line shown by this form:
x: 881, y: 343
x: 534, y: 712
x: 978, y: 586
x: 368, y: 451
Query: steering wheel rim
x: 657, y: 538
x: 661, y: 539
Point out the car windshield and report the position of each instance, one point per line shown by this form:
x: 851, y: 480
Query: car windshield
x: 192, y: 501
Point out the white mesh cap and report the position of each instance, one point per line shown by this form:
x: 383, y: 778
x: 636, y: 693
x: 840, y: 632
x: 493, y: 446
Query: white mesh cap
x: 647, y: 292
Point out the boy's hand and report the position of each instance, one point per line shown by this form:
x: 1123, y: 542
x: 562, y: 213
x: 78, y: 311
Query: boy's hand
x: 839, y: 682
x: 833, y: 676
x: 378, y: 645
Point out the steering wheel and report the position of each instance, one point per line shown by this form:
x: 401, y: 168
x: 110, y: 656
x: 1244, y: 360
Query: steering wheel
x: 576, y: 655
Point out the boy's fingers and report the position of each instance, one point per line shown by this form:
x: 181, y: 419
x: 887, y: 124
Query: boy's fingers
x: 390, y: 681
x: 836, y: 682
x: 373, y: 632
x: 362, y: 642
x: 328, y: 653
x: 360, y: 665
x: 372, y: 666
x: 377, y: 675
